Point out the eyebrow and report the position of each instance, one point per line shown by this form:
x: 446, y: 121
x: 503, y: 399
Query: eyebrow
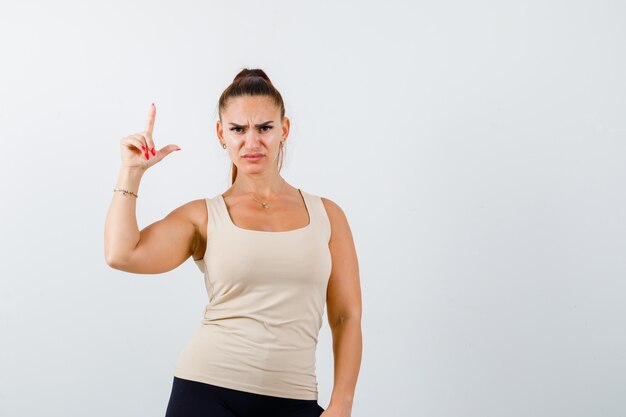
x: 257, y: 125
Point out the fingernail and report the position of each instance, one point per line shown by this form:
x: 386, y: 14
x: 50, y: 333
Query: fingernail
x: 153, y: 152
x: 178, y: 149
x: 146, y: 155
x: 143, y: 147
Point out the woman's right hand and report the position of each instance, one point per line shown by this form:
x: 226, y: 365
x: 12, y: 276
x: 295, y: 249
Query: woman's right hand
x: 138, y: 150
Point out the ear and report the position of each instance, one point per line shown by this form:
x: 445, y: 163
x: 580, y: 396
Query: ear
x: 286, y: 124
x: 220, y: 132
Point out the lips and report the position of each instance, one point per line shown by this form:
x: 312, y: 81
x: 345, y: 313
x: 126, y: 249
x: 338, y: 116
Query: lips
x: 253, y: 155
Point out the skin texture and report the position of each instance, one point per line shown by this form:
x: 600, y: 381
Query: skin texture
x: 167, y: 243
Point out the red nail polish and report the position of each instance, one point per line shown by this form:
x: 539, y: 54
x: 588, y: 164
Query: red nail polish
x: 153, y: 152
x: 143, y: 147
x: 146, y: 154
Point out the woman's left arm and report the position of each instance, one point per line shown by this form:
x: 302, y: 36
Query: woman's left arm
x: 343, y: 302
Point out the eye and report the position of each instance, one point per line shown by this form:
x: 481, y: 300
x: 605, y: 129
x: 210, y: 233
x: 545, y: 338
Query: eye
x: 235, y: 128
x: 268, y: 127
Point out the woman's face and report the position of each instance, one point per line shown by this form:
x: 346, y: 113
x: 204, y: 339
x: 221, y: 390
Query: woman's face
x: 252, y: 131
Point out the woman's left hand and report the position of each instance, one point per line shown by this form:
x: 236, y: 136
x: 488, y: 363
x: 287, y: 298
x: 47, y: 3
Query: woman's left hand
x: 332, y: 411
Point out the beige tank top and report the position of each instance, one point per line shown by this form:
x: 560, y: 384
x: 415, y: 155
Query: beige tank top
x: 267, y: 293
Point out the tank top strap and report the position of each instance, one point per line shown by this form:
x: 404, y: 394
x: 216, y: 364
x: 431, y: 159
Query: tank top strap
x: 215, y: 220
x: 218, y: 216
x: 319, y: 216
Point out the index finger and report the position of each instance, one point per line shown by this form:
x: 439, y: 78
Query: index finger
x: 150, y: 125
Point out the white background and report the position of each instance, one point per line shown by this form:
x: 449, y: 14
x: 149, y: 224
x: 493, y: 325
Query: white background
x: 477, y: 149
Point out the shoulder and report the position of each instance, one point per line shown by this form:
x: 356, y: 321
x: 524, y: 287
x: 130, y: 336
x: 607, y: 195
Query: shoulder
x: 336, y: 216
x: 193, y: 211
x: 333, y: 209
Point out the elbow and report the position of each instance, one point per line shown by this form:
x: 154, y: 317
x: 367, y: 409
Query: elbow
x: 341, y: 320
x: 113, y: 260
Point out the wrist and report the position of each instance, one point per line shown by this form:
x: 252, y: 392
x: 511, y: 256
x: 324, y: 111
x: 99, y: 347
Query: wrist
x: 344, y: 402
x: 129, y: 178
x: 131, y: 173
x: 132, y: 170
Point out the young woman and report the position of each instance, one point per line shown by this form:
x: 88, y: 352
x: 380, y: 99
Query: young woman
x: 272, y: 256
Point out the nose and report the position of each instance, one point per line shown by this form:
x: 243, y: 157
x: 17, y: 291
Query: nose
x: 252, y: 139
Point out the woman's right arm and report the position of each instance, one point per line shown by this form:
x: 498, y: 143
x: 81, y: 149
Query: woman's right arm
x: 161, y: 246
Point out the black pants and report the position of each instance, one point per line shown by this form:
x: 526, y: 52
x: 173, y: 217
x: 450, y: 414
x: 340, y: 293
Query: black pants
x: 197, y: 399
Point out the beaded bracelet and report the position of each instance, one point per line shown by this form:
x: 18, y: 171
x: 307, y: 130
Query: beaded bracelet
x: 125, y: 192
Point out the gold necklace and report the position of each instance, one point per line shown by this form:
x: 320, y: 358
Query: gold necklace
x: 265, y: 204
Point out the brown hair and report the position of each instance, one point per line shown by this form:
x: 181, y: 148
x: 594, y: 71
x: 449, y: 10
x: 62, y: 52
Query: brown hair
x: 252, y: 82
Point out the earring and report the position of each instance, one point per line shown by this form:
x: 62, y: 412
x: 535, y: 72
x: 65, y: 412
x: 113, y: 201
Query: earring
x: 223, y: 145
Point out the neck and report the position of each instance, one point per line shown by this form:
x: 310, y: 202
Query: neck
x: 263, y: 187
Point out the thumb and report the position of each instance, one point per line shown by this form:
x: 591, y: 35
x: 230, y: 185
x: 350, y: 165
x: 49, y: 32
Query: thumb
x: 166, y: 150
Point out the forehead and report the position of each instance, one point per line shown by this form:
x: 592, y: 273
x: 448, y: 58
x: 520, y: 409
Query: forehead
x: 251, y: 107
